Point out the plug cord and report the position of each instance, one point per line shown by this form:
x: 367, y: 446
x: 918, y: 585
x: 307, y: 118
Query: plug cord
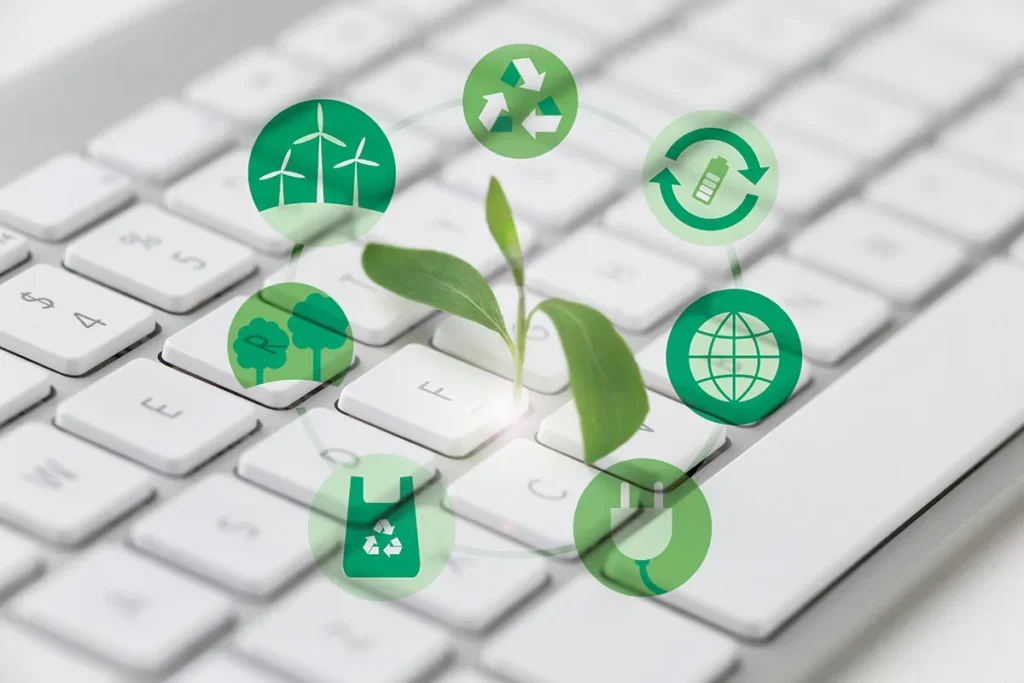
x: 646, y: 578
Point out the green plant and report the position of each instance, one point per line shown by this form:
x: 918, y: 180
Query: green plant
x: 261, y: 345
x: 603, y: 375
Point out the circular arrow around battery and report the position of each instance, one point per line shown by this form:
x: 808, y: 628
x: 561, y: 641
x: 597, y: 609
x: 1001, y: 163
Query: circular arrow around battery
x: 667, y: 180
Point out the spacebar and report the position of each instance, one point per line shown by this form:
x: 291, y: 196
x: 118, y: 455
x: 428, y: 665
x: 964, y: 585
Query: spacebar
x: 814, y: 496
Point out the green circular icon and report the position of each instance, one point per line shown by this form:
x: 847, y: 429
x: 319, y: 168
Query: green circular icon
x: 322, y: 172
x: 289, y: 331
x: 394, y: 540
x: 520, y: 101
x: 711, y: 178
x: 734, y: 356
x: 658, y: 538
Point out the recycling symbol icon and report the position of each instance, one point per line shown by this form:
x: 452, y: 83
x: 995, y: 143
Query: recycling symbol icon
x: 544, y: 118
x: 383, y: 527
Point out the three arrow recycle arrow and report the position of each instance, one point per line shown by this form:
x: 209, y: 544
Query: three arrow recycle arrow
x: 521, y: 73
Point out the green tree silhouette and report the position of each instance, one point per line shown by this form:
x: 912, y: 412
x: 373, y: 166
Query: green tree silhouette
x: 260, y: 345
x: 318, y: 323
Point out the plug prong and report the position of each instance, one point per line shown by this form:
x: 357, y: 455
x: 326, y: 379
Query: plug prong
x: 659, y: 495
x: 624, y: 495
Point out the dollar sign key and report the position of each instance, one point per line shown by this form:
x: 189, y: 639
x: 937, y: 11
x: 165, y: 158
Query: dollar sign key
x: 27, y: 296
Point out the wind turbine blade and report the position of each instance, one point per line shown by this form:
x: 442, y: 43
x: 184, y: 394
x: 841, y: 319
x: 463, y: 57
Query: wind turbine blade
x: 287, y: 156
x: 292, y: 174
x: 320, y: 117
x: 306, y: 138
x: 347, y: 162
x: 331, y: 138
x: 364, y: 162
x: 359, y: 149
x: 270, y: 175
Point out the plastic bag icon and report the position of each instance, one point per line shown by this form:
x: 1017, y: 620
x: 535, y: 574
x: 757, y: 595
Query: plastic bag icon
x: 389, y: 546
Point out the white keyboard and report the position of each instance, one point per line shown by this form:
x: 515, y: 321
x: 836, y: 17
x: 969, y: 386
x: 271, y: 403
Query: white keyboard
x: 153, y: 513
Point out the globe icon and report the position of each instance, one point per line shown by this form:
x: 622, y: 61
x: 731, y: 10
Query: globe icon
x: 734, y: 357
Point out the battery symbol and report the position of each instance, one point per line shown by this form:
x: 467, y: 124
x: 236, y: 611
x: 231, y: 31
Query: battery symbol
x: 711, y: 181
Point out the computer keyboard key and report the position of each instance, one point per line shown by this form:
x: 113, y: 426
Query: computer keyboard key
x: 217, y: 196
x: 833, y: 318
x: 126, y: 609
x: 13, y: 250
x: 62, y: 196
x: 161, y: 141
x: 813, y: 175
x: 31, y: 659
x: 67, y: 323
x: 377, y: 316
x: 879, y: 250
x: 230, y: 533
x: 985, y: 135
x: 465, y: 676
x: 157, y: 416
x: 824, y: 509
x: 296, y: 459
x: 598, y: 131
x: 528, y: 492
x: 545, y: 369
x: 992, y: 28
x: 551, y: 192
x: 253, y: 86
x: 634, y: 286
x: 201, y: 349
x: 431, y: 216
x: 613, y: 20
x: 432, y: 399
x: 63, y: 489
x: 572, y: 637
x: 860, y: 13
x: 345, y: 37
x: 322, y: 633
x: 157, y: 257
x: 829, y: 109
x: 23, y: 386
x: 957, y: 196
x: 222, y: 668
x: 19, y: 559
x: 671, y: 432
x: 653, y: 368
x: 1017, y: 251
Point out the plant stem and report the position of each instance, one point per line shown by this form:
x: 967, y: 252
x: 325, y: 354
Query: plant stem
x: 519, y: 355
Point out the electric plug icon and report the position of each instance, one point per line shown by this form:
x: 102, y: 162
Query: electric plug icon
x: 650, y: 536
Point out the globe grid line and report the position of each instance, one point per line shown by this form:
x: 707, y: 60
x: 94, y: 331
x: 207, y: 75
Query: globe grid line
x: 754, y: 377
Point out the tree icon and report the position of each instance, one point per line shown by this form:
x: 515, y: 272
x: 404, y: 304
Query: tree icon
x: 318, y: 323
x: 261, y: 345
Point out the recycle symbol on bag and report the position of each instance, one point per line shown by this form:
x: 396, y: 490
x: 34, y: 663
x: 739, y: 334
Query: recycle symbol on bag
x: 383, y: 527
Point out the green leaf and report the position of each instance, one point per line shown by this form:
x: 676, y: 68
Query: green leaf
x: 503, y: 229
x: 439, y: 280
x: 604, y: 377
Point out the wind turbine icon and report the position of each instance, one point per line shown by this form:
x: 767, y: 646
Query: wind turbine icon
x: 280, y: 174
x: 319, y: 136
x: 356, y: 161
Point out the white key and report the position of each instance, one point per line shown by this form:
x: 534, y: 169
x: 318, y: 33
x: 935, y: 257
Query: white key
x: 297, y: 459
x: 990, y: 27
x: 798, y: 37
x: 552, y: 191
x: 879, y: 250
x: 635, y: 287
x: 19, y: 560
x: 157, y: 416
x: 654, y: 369
x: 64, y: 489
x: 22, y: 385
x: 200, y: 349
x: 682, y: 70
x: 377, y: 316
x: 222, y: 668
x: 812, y: 175
x: 545, y: 369
x: 13, y: 250
x: 255, y: 85
x: 431, y: 216
x: 936, y: 188
x: 218, y: 196
x: 470, y: 39
x: 903, y: 457
x: 596, y: 132
x: 161, y: 141
x: 529, y: 493
x: 432, y: 399
x: 671, y: 432
x: 832, y: 318
x: 231, y: 533
x: 164, y: 260
x: 345, y: 37
x: 1017, y: 250
x: 125, y: 608
x: 987, y: 134
x: 846, y: 118
x: 611, y: 19
x: 465, y: 676
x: 67, y: 323
x: 415, y: 151
x: 860, y: 12
x: 484, y: 579
x: 572, y: 637
x: 62, y: 196
x: 908, y: 62
x: 424, y: 12
x: 323, y: 634
x: 26, y: 658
